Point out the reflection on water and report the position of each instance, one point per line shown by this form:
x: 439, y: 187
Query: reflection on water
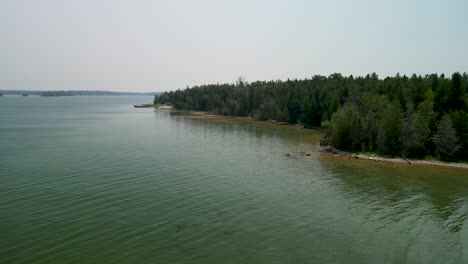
x: 102, y: 182
x: 391, y: 194
x: 400, y: 192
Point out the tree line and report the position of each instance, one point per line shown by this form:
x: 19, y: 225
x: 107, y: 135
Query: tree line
x: 413, y: 116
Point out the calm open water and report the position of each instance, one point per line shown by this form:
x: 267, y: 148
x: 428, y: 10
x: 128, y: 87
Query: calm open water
x: 93, y: 180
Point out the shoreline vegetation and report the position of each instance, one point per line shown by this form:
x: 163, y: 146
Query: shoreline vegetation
x: 416, y: 117
x: 159, y: 106
x: 162, y: 106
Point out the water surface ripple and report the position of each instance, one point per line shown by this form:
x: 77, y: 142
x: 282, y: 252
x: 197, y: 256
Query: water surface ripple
x: 93, y: 180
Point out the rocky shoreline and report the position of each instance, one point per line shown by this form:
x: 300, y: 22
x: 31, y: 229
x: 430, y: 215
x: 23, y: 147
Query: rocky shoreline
x: 393, y: 160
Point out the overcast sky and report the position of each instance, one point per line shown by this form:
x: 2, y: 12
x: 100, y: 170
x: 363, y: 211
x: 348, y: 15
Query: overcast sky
x: 139, y: 45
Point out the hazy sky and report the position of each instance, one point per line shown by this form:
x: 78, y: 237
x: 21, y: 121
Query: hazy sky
x: 139, y: 45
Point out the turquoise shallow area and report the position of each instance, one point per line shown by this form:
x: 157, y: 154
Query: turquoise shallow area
x: 93, y: 180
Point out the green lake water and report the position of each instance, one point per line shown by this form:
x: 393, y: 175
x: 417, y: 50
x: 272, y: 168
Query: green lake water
x: 94, y: 180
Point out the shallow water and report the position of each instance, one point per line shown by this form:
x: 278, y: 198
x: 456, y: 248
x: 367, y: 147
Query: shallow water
x: 93, y: 180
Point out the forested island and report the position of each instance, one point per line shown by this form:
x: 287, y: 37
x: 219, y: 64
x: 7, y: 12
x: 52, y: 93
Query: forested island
x: 416, y: 116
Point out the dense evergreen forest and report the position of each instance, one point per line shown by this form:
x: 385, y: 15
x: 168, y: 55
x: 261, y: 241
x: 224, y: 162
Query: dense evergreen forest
x: 415, y: 116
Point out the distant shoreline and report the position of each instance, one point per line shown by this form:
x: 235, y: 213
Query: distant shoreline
x: 73, y: 93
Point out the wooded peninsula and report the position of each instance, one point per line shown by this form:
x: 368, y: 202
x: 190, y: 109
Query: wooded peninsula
x: 415, y: 117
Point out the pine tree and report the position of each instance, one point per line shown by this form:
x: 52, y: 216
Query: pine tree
x: 446, y: 141
x: 389, y: 135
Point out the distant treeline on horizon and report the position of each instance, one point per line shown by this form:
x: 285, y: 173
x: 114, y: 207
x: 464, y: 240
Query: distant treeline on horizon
x: 70, y: 93
x: 415, y: 116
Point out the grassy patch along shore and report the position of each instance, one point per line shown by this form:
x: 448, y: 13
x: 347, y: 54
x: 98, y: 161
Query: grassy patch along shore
x: 376, y: 158
x: 162, y: 106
